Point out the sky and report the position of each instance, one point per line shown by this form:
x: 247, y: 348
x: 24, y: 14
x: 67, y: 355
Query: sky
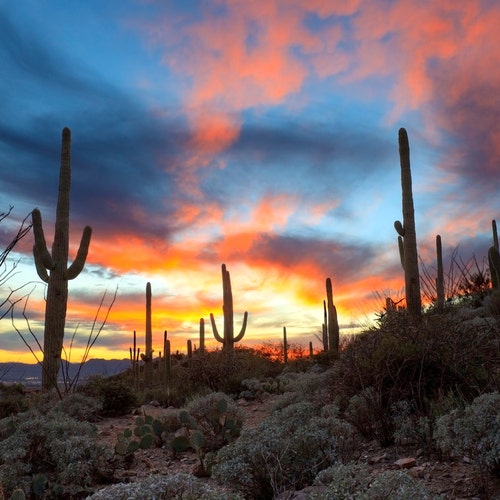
x: 260, y: 134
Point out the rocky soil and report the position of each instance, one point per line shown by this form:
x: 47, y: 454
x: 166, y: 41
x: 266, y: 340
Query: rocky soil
x: 452, y: 480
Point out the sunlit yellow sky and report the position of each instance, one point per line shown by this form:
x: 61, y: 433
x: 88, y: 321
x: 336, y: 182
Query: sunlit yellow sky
x: 262, y: 135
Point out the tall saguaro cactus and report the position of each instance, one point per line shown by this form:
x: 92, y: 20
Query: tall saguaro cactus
x: 333, y: 324
x: 440, y: 275
x: 407, y: 238
x: 53, y: 268
x: 228, y: 339
x: 147, y: 357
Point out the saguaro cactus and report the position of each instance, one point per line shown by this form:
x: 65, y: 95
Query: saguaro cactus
x: 53, y: 268
x: 407, y: 238
x: 202, y: 336
x: 440, y: 275
x: 333, y: 324
x: 147, y: 357
x: 228, y: 339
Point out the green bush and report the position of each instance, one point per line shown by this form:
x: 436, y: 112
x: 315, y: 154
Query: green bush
x: 175, y: 487
x: 12, y: 399
x: 116, y: 395
x: 400, y: 361
x: 285, y: 451
x: 51, y: 454
x: 473, y: 431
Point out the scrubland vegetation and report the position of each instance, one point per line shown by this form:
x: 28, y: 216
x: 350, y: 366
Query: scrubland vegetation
x: 433, y: 385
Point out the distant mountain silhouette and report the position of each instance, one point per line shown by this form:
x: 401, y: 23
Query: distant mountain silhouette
x: 31, y: 374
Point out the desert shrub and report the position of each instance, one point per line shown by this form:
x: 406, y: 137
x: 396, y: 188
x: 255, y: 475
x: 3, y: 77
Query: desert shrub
x: 52, y: 453
x: 225, y: 370
x: 12, y: 399
x: 409, y: 427
x: 175, y: 487
x: 116, y: 395
x: 347, y: 438
x: 354, y: 481
x: 418, y: 363
x: 313, y: 386
x: 80, y: 407
x: 252, y: 389
x: 285, y: 451
x: 473, y: 431
x: 217, y: 417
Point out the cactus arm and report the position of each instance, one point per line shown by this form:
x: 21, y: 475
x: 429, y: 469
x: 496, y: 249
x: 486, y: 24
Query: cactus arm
x: 42, y: 255
x: 399, y: 228
x: 243, y: 328
x: 76, y: 267
x: 215, y: 331
x: 40, y: 268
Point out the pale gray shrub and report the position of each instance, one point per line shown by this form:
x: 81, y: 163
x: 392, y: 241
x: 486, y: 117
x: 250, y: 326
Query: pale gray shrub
x: 67, y: 452
x: 285, y: 451
x: 156, y: 487
x: 355, y: 482
x: 473, y: 431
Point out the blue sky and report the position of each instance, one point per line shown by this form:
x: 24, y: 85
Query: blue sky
x: 262, y: 135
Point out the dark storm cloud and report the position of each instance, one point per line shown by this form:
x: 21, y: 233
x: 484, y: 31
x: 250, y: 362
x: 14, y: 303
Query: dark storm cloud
x: 344, y: 260
x: 120, y: 151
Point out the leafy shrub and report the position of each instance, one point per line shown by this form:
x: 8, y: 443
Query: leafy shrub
x: 116, y: 395
x: 409, y: 427
x: 51, y: 453
x: 252, y: 389
x: 418, y: 363
x: 473, y: 431
x: 354, y: 481
x: 12, y: 399
x: 285, y: 451
x: 225, y: 370
x: 175, y: 487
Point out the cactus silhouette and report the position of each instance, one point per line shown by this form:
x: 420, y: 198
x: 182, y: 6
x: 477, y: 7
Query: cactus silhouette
x: 440, y: 275
x: 333, y: 324
x: 53, y: 268
x: 147, y: 357
x: 407, y: 239
x: 228, y: 339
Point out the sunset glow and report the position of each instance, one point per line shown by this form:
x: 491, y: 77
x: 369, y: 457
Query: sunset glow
x: 262, y: 135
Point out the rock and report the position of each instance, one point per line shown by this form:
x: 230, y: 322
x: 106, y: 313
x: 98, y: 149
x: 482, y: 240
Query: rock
x: 377, y: 459
x: 405, y: 463
x: 418, y: 472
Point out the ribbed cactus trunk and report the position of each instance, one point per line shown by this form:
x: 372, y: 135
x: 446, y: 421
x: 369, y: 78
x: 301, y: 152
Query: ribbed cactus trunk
x: 148, y: 358
x: 333, y: 324
x: 440, y: 275
x: 202, y: 336
x: 285, y: 346
x: 53, y: 268
x: 228, y: 339
x: 407, y: 234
